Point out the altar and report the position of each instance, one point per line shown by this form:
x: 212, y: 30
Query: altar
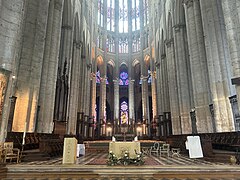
x: 119, y: 148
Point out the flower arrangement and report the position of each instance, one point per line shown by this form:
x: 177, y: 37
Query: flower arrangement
x: 112, y: 159
x: 125, y: 160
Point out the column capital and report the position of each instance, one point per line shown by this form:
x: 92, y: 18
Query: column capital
x: 144, y: 78
x: 103, y: 79
x: 92, y: 76
x: 116, y: 81
x: 169, y: 42
x: 188, y: 3
x: 157, y: 64
x: 153, y: 74
x: 163, y: 56
x: 67, y: 27
x: 58, y: 5
x: 178, y: 27
x: 77, y: 44
x: 131, y: 81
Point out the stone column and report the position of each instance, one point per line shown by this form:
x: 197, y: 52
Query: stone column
x: 218, y: 63
x: 11, y: 17
x: 30, y: 65
x: 82, y: 85
x: 131, y: 116
x: 116, y: 72
x: 154, y: 94
x: 93, y: 100
x: 103, y: 93
x: 231, y: 14
x: 116, y: 105
x: 198, y: 63
x: 87, y: 88
x: 144, y: 75
x: 74, y: 93
x: 131, y: 102
x: 164, y: 85
x: 173, y: 88
x: 183, y: 78
x: 145, y: 104
x: 64, y: 68
x: 159, y: 89
x: 102, y: 112
x: 49, y: 71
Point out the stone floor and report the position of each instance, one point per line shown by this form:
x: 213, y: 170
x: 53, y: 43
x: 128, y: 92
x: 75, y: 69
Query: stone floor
x: 163, y: 168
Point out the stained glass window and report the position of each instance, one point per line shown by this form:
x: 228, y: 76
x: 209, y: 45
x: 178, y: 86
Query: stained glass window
x: 124, y: 112
x: 110, y: 44
x: 135, y: 15
x: 100, y: 12
x: 110, y: 15
x: 123, y: 16
x: 123, y: 81
x: 123, y: 45
x: 136, y: 43
x: 145, y: 12
x: 149, y: 80
x: 98, y: 78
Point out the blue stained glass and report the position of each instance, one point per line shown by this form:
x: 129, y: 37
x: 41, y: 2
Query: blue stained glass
x: 120, y: 82
x: 124, y: 75
x: 98, y: 78
x: 123, y: 79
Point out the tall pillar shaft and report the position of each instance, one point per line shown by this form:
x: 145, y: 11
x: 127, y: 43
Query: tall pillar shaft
x: 116, y: 104
x: 145, y: 103
x: 159, y: 89
x: 183, y: 78
x: 164, y: 85
x: 74, y: 89
x: 198, y: 62
x: 231, y: 14
x: 87, y: 90
x: 49, y: 72
x: 30, y: 65
x: 173, y: 87
x: 11, y: 17
x: 154, y: 94
x: 102, y: 112
x: 131, y: 102
x: 93, y: 101
x: 218, y: 58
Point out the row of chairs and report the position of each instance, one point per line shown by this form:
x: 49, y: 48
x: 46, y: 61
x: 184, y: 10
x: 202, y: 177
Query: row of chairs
x: 8, y: 152
x: 160, y: 149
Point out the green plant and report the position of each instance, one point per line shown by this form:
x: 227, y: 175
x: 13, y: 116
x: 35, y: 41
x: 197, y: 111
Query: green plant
x: 125, y: 160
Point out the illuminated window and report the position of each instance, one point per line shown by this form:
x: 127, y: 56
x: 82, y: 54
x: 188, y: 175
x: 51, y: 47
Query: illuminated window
x: 145, y: 12
x: 123, y: 45
x: 123, y: 81
x: 135, y: 15
x: 110, y: 15
x: 136, y: 43
x: 98, y: 78
x: 110, y: 44
x: 100, y: 12
x: 149, y: 80
x: 124, y: 112
x: 123, y: 16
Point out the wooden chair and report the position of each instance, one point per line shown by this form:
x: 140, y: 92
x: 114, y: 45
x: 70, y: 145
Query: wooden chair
x: 2, y: 153
x: 11, y: 153
x: 155, y: 148
x: 165, y: 149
